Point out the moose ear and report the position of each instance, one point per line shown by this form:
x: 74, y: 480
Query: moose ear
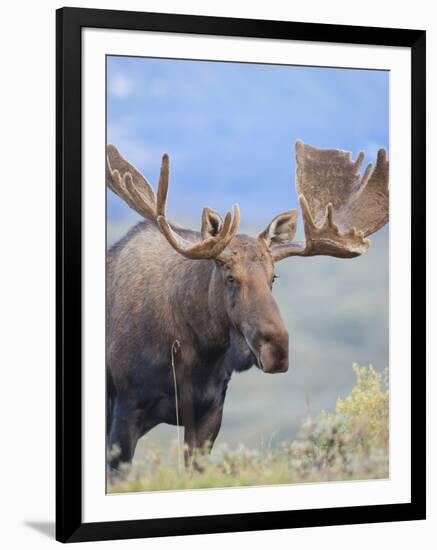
x: 211, y: 223
x: 281, y: 229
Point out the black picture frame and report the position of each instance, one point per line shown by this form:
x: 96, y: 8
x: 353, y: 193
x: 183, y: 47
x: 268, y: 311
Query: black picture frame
x: 69, y: 25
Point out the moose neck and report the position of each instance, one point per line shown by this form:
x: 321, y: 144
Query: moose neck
x: 204, y: 310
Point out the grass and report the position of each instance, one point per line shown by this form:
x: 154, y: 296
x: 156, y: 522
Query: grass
x: 350, y: 443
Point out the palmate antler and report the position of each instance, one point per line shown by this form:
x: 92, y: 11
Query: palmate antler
x: 340, y: 207
x: 130, y: 185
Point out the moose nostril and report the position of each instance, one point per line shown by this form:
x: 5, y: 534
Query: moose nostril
x: 275, y: 334
x: 274, y: 357
x: 277, y: 339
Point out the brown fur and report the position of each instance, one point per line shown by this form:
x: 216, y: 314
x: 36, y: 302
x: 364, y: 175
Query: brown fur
x: 155, y: 296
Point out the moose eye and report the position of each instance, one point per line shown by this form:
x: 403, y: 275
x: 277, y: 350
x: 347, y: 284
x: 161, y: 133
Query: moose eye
x: 230, y: 279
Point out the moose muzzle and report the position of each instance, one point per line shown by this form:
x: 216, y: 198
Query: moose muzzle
x: 273, y: 353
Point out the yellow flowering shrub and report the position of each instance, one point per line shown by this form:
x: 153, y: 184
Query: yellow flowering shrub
x: 366, y: 409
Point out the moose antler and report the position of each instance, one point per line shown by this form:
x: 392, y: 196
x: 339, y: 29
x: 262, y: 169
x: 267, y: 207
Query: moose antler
x: 130, y: 185
x: 340, y: 207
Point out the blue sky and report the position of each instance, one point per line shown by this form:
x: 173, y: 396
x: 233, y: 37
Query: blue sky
x: 230, y: 128
x: 230, y: 131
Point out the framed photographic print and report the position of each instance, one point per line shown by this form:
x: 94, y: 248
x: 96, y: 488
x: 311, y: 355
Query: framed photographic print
x: 241, y: 274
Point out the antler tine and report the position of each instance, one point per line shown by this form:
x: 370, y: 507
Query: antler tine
x: 330, y: 186
x: 235, y: 221
x: 207, y: 248
x: 163, y: 185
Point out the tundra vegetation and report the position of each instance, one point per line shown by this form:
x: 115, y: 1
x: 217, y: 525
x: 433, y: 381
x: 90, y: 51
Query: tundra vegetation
x: 348, y: 444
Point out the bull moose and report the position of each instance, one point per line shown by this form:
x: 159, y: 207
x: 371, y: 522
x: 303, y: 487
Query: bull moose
x: 186, y: 309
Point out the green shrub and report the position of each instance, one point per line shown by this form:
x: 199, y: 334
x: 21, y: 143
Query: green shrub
x: 366, y: 410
